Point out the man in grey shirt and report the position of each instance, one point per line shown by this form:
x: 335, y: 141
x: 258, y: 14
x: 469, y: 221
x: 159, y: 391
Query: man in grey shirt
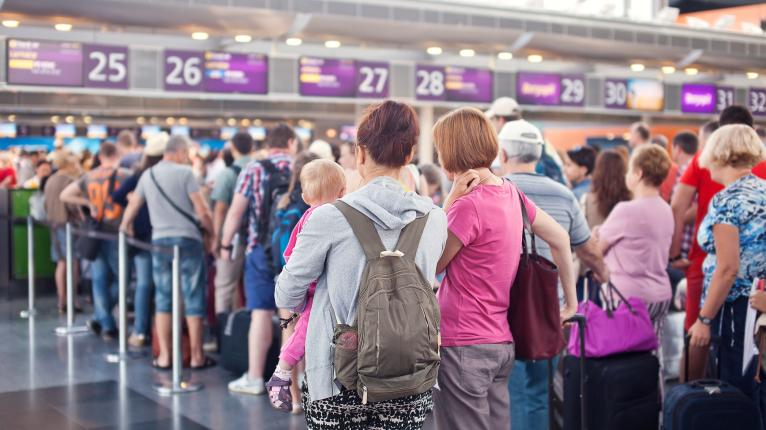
x: 228, y: 271
x: 178, y: 212
x: 521, y: 147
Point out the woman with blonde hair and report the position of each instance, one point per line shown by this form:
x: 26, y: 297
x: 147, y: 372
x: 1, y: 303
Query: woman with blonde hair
x: 733, y: 233
x: 481, y: 258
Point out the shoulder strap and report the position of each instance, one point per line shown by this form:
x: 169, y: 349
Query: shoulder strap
x: 363, y: 229
x: 185, y: 214
x: 527, y: 226
x: 268, y: 166
x: 409, y: 238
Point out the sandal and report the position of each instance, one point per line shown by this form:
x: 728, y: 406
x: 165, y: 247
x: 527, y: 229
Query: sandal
x: 209, y: 362
x: 156, y: 366
x: 279, y: 393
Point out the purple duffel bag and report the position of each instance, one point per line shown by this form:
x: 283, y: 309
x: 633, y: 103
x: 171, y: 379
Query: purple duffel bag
x: 616, y: 329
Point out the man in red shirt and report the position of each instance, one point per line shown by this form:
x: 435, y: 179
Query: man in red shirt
x: 697, y: 180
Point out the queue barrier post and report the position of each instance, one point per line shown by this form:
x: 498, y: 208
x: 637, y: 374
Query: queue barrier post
x: 30, y: 311
x: 122, y: 269
x: 177, y: 385
x: 70, y: 329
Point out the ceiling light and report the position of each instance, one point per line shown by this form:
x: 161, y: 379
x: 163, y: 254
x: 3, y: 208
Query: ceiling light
x: 243, y: 38
x: 170, y: 120
x: 87, y: 119
x: 140, y: 120
x: 434, y: 50
x: 691, y: 71
x: 219, y: 122
x: 668, y: 70
x: 504, y: 56
x: 199, y: 35
x: 232, y: 122
x: 637, y: 67
x: 534, y: 58
x: 245, y: 122
x: 69, y: 119
x: 183, y: 120
x: 467, y: 52
x: 11, y: 118
x: 10, y: 23
x: 332, y: 44
x: 293, y: 41
x: 331, y: 133
x: 55, y: 119
x: 752, y: 75
x: 62, y: 26
x: 154, y: 120
x: 257, y: 121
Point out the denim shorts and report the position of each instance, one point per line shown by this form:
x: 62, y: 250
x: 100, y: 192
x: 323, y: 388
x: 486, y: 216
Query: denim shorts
x: 193, y: 276
x: 58, y: 244
x: 259, y: 281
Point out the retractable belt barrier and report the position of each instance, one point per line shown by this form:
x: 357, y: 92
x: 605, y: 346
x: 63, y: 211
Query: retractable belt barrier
x: 176, y: 385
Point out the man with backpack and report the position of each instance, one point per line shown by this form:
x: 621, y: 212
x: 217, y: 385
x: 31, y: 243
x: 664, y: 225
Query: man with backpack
x: 229, y: 270
x: 258, y: 187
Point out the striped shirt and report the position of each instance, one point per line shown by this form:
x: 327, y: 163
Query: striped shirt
x: 557, y: 201
x: 251, y: 184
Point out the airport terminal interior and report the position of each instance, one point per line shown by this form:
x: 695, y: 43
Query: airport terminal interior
x: 634, y: 130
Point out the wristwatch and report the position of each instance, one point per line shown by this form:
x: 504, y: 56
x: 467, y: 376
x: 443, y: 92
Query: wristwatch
x: 706, y: 321
x: 674, y: 259
x: 226, y: 248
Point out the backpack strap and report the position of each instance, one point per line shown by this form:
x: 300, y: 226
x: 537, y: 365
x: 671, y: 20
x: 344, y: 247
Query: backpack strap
x: 409, y: 238
x: 363, y: 229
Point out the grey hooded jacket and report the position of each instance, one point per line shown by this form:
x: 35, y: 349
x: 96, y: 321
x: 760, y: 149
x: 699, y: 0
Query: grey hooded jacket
x: 328, y: 251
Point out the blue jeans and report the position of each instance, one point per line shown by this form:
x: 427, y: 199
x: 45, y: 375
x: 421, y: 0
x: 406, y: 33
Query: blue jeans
x: 729, y: 324
x: 142, y: 262
x: 193, y: 276
x: 528, y: 387
x: 104, y: 271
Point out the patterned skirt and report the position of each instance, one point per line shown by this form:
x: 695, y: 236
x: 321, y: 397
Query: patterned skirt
x: 346, y: 411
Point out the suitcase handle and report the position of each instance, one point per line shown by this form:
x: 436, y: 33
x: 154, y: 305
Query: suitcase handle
x: 703, y: 383
x: 580, y: 320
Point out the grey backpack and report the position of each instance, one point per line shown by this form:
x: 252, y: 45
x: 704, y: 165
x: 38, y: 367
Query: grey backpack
x: 392, y: 348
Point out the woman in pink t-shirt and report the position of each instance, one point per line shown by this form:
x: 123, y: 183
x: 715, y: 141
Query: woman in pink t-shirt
x: 481, y: 258
x: 636, y: 237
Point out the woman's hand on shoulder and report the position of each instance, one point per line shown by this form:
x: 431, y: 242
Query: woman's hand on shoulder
x: 464, y: 183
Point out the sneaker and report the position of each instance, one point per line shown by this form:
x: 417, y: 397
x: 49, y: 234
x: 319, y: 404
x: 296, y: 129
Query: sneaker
x: 109, y: 335
x: 137, y: 340
x: 94, y: 326
x: 246, y: 385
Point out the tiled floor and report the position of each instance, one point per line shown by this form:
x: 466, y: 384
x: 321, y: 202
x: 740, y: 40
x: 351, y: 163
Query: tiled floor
x: 51, y: 382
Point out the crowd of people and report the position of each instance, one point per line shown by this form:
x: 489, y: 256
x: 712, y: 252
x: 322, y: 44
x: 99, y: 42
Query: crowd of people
x: 285, y: 223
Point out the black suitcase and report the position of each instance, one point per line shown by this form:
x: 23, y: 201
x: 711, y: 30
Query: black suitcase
x: 620, y: 392
x: 708, y: 404
x: 233, y: 343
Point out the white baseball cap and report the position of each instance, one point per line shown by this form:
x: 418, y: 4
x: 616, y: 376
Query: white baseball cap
x: 504, y: 106
x: 521, y: 131
x: 322, y: 149
x: 156, y: 144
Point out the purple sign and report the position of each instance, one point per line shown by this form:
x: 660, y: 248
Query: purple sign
x: 756, y: 100
x: 327, y: 77
x: 538, y: 88
x: 236, y: 73
x: 371, y: 79
x: 573, y: 90
x: 616, y: 93
x: 430, y: 83
x: 183, y: 70
x: 44, y: 63
x: 724, y: 98
x: 105, y: 66
x: 698, y: 98
x: 468, y: 85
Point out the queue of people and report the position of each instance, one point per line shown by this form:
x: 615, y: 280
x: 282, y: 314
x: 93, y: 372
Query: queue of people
x: 638, y: 217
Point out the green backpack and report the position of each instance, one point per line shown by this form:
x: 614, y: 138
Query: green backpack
x: 392, y: 348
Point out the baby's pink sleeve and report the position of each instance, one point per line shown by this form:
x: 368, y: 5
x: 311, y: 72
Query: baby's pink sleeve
x: 294, y: 234
x: 295, y: 348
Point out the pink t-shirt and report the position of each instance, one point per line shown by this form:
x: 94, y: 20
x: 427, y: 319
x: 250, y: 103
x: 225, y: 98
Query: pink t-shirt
x: 639, y: 233
x: 475, y: 292
x: 295, y: 347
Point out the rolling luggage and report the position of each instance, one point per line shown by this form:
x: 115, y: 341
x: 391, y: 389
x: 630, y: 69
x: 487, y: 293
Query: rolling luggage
x: 233, y: 343
x: 620, y: 391
x: 708, y: 404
